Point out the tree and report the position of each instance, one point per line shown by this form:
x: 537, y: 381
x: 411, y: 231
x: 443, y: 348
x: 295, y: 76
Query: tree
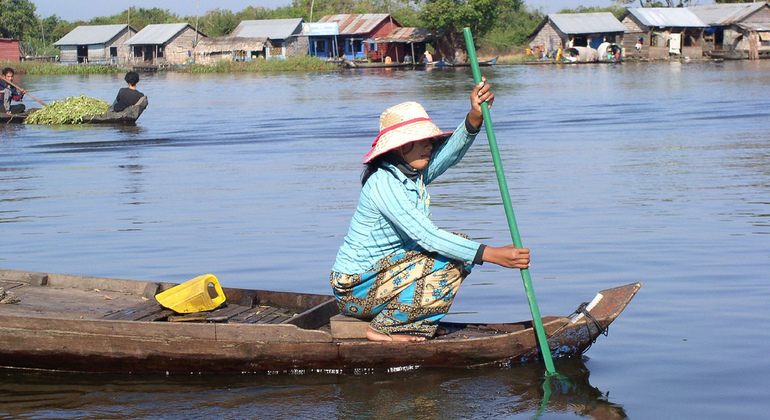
x: 218, y: 22
x: 16, y: 18
x: 138, y: 18
x: 655, y: 3
x: 451, y: 16
x: 513, y: 29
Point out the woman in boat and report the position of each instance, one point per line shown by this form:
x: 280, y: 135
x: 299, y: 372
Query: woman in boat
x: 395, y: 267
x: 127, y: 96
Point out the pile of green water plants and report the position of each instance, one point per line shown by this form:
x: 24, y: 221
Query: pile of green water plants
x: 69, y: 111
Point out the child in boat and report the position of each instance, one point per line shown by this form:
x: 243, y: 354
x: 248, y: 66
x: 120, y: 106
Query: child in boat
x: 127, y: 96
x: 395, y: 267
x: 9, y: 93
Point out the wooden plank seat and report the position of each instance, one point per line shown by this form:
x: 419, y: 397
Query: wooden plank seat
x: 151, y: 310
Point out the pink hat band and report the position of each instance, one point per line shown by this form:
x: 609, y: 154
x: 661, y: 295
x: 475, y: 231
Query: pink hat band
x: 402, y: 124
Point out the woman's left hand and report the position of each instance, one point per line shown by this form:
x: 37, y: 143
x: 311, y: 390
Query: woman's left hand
x: 481, y: 93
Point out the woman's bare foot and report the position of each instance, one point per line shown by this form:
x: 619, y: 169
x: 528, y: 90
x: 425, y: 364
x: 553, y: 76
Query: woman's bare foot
x: 442, y: 331
x: 373, y: 335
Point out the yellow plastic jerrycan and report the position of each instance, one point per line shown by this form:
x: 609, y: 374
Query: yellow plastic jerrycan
x: 193, y: 295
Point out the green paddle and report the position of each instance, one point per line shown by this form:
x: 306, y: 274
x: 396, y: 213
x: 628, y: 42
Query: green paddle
x: 536, y: 318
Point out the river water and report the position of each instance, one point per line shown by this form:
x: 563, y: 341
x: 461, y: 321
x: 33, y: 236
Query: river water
x: 658, y: 173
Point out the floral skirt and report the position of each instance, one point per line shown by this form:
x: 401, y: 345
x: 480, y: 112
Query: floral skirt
x: 404, y: 293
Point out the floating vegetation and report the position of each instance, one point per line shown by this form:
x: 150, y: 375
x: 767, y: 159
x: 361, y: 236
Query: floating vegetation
x: 293, y: 64
x: 69, y: 111
x: 43, y: 68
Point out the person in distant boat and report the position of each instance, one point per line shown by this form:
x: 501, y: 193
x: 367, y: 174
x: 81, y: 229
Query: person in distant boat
x: 428, y: 58
x: 396, y: 268
x: 9, y: 92
x: 127, y: 96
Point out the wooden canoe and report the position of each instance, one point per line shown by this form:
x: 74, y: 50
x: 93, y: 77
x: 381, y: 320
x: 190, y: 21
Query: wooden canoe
x: 450, y: 63
x: 75, y: 323
x: 127, y: 116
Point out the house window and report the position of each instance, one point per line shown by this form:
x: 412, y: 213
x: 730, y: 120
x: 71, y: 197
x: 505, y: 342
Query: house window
x: 160, y: 52
x: 113, y: 51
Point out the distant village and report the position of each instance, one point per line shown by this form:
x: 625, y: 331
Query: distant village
x: 728, y: 31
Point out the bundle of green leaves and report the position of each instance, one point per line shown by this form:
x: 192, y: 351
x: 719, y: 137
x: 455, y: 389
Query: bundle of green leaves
x: 69, y: 111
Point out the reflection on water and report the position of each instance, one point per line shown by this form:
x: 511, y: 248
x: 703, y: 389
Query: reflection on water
x: 515, y: 392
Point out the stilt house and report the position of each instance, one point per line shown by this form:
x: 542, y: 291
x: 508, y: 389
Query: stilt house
x: 402, y: 44
x: 567, y: 30
x: 660, y: 33
x: 284, y: 36
x: 96, y: 44
x: 171, y: 43
x: 353, y: 31
x: 736, y: 30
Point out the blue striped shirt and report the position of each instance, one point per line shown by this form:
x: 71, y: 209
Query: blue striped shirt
x: 393, y: 214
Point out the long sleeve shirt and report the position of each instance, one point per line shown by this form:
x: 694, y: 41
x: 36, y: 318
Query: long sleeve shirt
x: 393, y: 214
x: 8, y: 93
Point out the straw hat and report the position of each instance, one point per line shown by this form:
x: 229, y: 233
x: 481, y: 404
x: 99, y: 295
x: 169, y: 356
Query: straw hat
x: 402, y: 124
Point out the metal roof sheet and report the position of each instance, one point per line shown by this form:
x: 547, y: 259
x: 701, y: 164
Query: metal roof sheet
x: 360, y: 24
x: 405, y: 35
x: 586, y: 23
x: 727, y: 13
x: 157, y: 34
x: 268, y: 28
x: 668, y: 17
x: 88, y: 35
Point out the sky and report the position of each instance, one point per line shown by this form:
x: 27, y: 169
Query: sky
x: 74, y: 10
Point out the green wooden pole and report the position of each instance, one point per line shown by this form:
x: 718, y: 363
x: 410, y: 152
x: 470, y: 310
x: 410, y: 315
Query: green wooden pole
x: 536, y: 318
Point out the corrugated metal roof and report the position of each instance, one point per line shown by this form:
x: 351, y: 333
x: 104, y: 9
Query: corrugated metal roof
x: 759, y: 27
x: 405, y: 35
x: 360, y: 24
x: 586, y: 23
x: 157, y: 34
x: 268, y: 28
x: 668, y: 17
x: 88, y: 35
x: 725, y: 14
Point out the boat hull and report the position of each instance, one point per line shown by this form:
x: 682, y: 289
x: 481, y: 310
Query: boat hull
x: 81, y: 331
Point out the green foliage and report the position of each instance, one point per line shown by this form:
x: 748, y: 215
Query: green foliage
x: 45, y: 68
x: 616, y: 11
x: 138, y: 18
x: 17, y: 17
x: 451, y: 16
x: 302, y: 63
x: 657, y: 3
x: 217, y: 22
x: 69, y: 111
x: 513, y: 29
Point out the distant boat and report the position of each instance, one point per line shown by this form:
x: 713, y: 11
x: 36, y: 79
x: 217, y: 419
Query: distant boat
x: 377, y: 64
x: 127, y: 116
x: 77, y: 323
x: 450, y: 63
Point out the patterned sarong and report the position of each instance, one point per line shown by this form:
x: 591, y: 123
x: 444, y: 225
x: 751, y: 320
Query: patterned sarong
x: 404, y: 293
